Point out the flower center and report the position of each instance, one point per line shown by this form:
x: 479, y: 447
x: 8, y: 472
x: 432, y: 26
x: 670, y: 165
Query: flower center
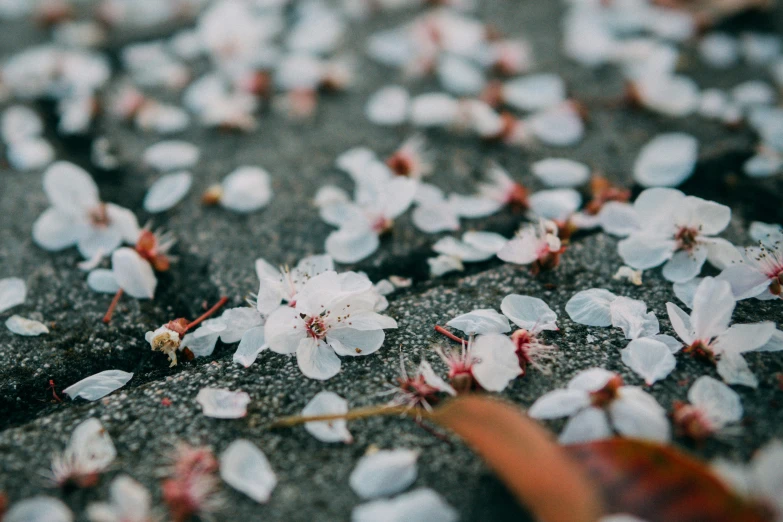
x: 316, y: 327
x: 691, y: 421
x: 382, y: 225
x: 517, y: 196
x: 401, y: 164
x: 603, y: 397
x: 147, y: 247
x: 686, y: 238
x: 99, y: 217
x: 700, y: 350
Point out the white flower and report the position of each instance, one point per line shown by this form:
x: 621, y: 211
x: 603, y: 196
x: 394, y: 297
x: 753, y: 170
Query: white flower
x: 706, y: 332
x: 536, y: 245
x: 327, y: 403
x: 78, y: 217
x: 713, y: 406
x: 761, y: 480
x: 420, y: 505
x: 333, y: 313
x: 129, y: 501
x: 759, y: 274
x: 384, y: 473
x: 597, y: 402
x: 411, y: 159
x: 675, y: 229
x: 89, y: 452
x: 282, y: 285
x: 533, y: 317
x: 487, y: 361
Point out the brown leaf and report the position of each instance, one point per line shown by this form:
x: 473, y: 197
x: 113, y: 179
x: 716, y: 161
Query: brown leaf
x: 659, y: 483
x: 533, y: 466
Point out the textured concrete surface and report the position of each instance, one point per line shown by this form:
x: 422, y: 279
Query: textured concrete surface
x: 216, y: 251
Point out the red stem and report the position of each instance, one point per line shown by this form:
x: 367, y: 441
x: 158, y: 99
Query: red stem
x: 205, y: 315
x: 54, y: 391
x: 450, y: 335
x: 112, y: 306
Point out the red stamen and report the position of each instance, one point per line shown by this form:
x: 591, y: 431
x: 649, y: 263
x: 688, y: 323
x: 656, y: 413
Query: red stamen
x: 112, y: 306
x: 205, y: 315
x: 450, y: 335
x: 54, y: 391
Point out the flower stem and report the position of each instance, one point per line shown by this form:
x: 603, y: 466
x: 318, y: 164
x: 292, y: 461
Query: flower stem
x: 205, y: 315
x: 112, y: 306
x: 358, y: 413
x: 450, y: 335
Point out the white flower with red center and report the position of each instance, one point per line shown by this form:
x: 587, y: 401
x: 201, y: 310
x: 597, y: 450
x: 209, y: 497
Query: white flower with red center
x: 533, y: 316
x: 707, y: 335
x: 192, y: 486
x: 760, y: 272
x: 500, y: 187
x: 536, y: 245
x: 713, y: 406
x: 333, y: 315
x: 89, y: 452
x: 78, y: 217
x: 598, y: 403
x: 486, y: 362
x: 412, y: 158
x: 677, y: 230
x: 282, y: 285
x: 420, y: 389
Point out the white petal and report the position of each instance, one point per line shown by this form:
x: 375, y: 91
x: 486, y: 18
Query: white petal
x: 30, y: 154
x: 481, y: 322
x: 656, y: 207
x: 684, y: 265
x: 556, y: 204
x: 744, y: 337
x: 327, y: 403
x: 388, y: 106
x: 559, y: 403
x: 591, y: 307
x: 522, y: 249
x: 433, y: 110
x: 238, y: 321
x: 719, y: 49
x: 733, y: 368
x: 666, y: 161
x: 449, y: 246
x: 651, y: 359
x: 202, y: 341
x: 384, y: 473
x: 167, y: 191
x: 317, y: 360
x: 171, y: 155
x: 530, y: 313
x: 711, y: 218
x: 720, y: 403
x: 102, y: 280
x: 485, y: 241
x: 245, y: 468
x: 13, y: 292
x: 246, y: 189
x: 686, y: 291
x: 351, y: 342
x: 681, y: 323
x: 133, y: 273
x: 459, y: 76
x: 223, y: 404
x: 55, y: 230
x: 713, y: 304
x: 349, y: 245
x: 558, y: 127
x: 561, y: 172
x: 433, y: 218
x: 27, y: 327
x: 637, y: 414
x: 444, y: 264
x: 496, y: 362
x: 674, y: 344
x: 590, y: 380
x: 70, y: 189
x: 631, y: 316
x: 432, y: 379
x: 99, y: 385
x: 774, y: 344
x: 90, y: 446
x: 98, y: 240
x: 420, y: 505
x: 473, y: 207
x: 587, y: 425
x: 38, y: 509
x: 250, y: 346
x: 644, y: 251
x: 767, y: 468
x: 671, y: 95
x: 534, y: 92
x: 746, y: 281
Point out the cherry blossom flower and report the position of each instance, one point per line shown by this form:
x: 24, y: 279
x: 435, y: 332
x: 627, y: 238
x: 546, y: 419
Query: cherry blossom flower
x: 245, y: 468
x: 282, y: 285
x: 597, y: 402
x: 533, y: 317
x: 384, y: 473
x: 420, y: 505
x: 488, y: 362
x: 89, y: 452
x: 713, y: 406
x: 333, y: 315
x: 78, y: 217
x: 129, y: 501
x: 760, y: 272
x: 758, y: 481
x: 411, y: 159
x: 500, y: 187
x: 39, y: 508
x: 677, y: 230
x: 420, y: 389
x: 536, y: 245
x: 707, y: 335
x: 192, y: 486
x: 13, y: 292
x: 327, y: 403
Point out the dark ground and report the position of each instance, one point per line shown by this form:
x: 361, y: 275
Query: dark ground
x: 216, y: 251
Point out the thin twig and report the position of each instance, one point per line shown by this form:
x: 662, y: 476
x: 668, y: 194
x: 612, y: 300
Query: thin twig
x: 205, y: 315
x: 112, y: 306
x: 450, y: 335
x: 358, y: 413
